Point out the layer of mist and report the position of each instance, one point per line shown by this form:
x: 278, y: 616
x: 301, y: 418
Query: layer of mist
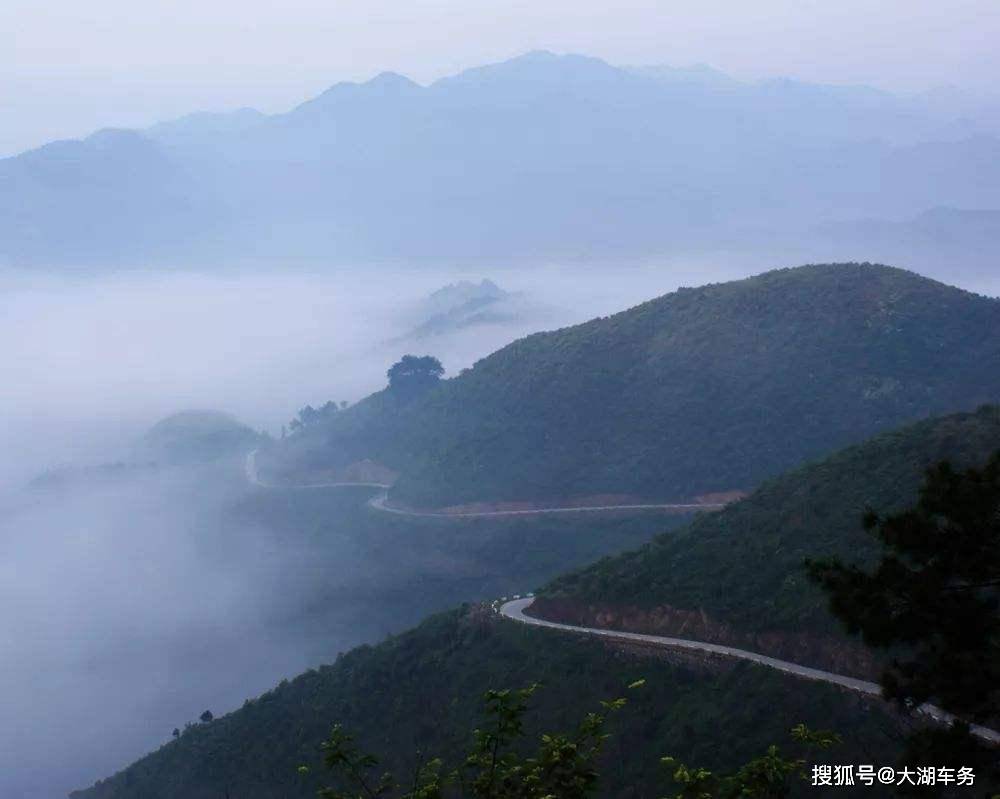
x: 131, y: 602
x: 559, y: 156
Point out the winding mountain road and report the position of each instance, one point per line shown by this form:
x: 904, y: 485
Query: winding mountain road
x: 514, y: 610
x: 380, y: 501
x: 250, y: 469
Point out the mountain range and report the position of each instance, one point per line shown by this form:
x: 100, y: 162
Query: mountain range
x: 537, y: 157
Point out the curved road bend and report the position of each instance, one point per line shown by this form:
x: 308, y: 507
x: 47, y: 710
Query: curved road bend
x: 515, y: 610
x: 380, y: 502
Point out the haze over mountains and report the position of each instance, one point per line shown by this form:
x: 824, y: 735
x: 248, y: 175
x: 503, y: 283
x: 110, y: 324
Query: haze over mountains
x: 708, y: 389
x: 516, y: 244
x: 542, y: 156
x: 702, y: 389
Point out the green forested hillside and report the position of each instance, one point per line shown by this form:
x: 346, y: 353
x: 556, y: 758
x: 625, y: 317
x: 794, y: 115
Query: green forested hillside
x: 706, y: 389
x: 418, y: 695
x: 193, y: 436
x: 742, y: 568
x: 355, y: 576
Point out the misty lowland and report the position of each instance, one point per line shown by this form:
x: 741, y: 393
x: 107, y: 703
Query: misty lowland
x: 397, y: 409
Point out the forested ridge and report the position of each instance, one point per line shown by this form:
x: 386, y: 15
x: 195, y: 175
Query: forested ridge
x: 706, y: 389
x: 744, y: 567
x: 418, y: 696
x: 810, y: 379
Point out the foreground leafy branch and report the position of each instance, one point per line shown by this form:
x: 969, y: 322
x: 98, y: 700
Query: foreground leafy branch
x: 563, y: 766
x: 769, y: 776
x: 934, y: 595
x: 933, y: 600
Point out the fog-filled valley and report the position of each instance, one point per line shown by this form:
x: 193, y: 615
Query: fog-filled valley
x: 141, y: 590
x: 607, y: 376
x: 138, y: 594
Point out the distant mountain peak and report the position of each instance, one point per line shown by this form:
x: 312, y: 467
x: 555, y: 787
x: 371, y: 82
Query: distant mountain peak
x: 114, y: 136
x: 537, y: 55
x: 464, y: 290
x: 391, y: 80
x: 534, y: 67
x: 382, y: 85
x: 550, y: 57
x: 104, y: 143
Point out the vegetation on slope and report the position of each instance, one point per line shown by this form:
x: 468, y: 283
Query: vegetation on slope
x: 934, y: 600
x: 417, y: 695
x: 192, y: 436
x: 702, y: 390
x: 745, y: 566
x: 357, y: 575
x: 564, y: 765
x: 935, y: 590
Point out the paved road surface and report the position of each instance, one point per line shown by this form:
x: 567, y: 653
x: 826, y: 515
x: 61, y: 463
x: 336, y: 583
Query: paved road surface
x: 515, y: 610
x: 380, y: 502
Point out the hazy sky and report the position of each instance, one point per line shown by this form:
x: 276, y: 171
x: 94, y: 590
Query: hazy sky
x: 67, y: 67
